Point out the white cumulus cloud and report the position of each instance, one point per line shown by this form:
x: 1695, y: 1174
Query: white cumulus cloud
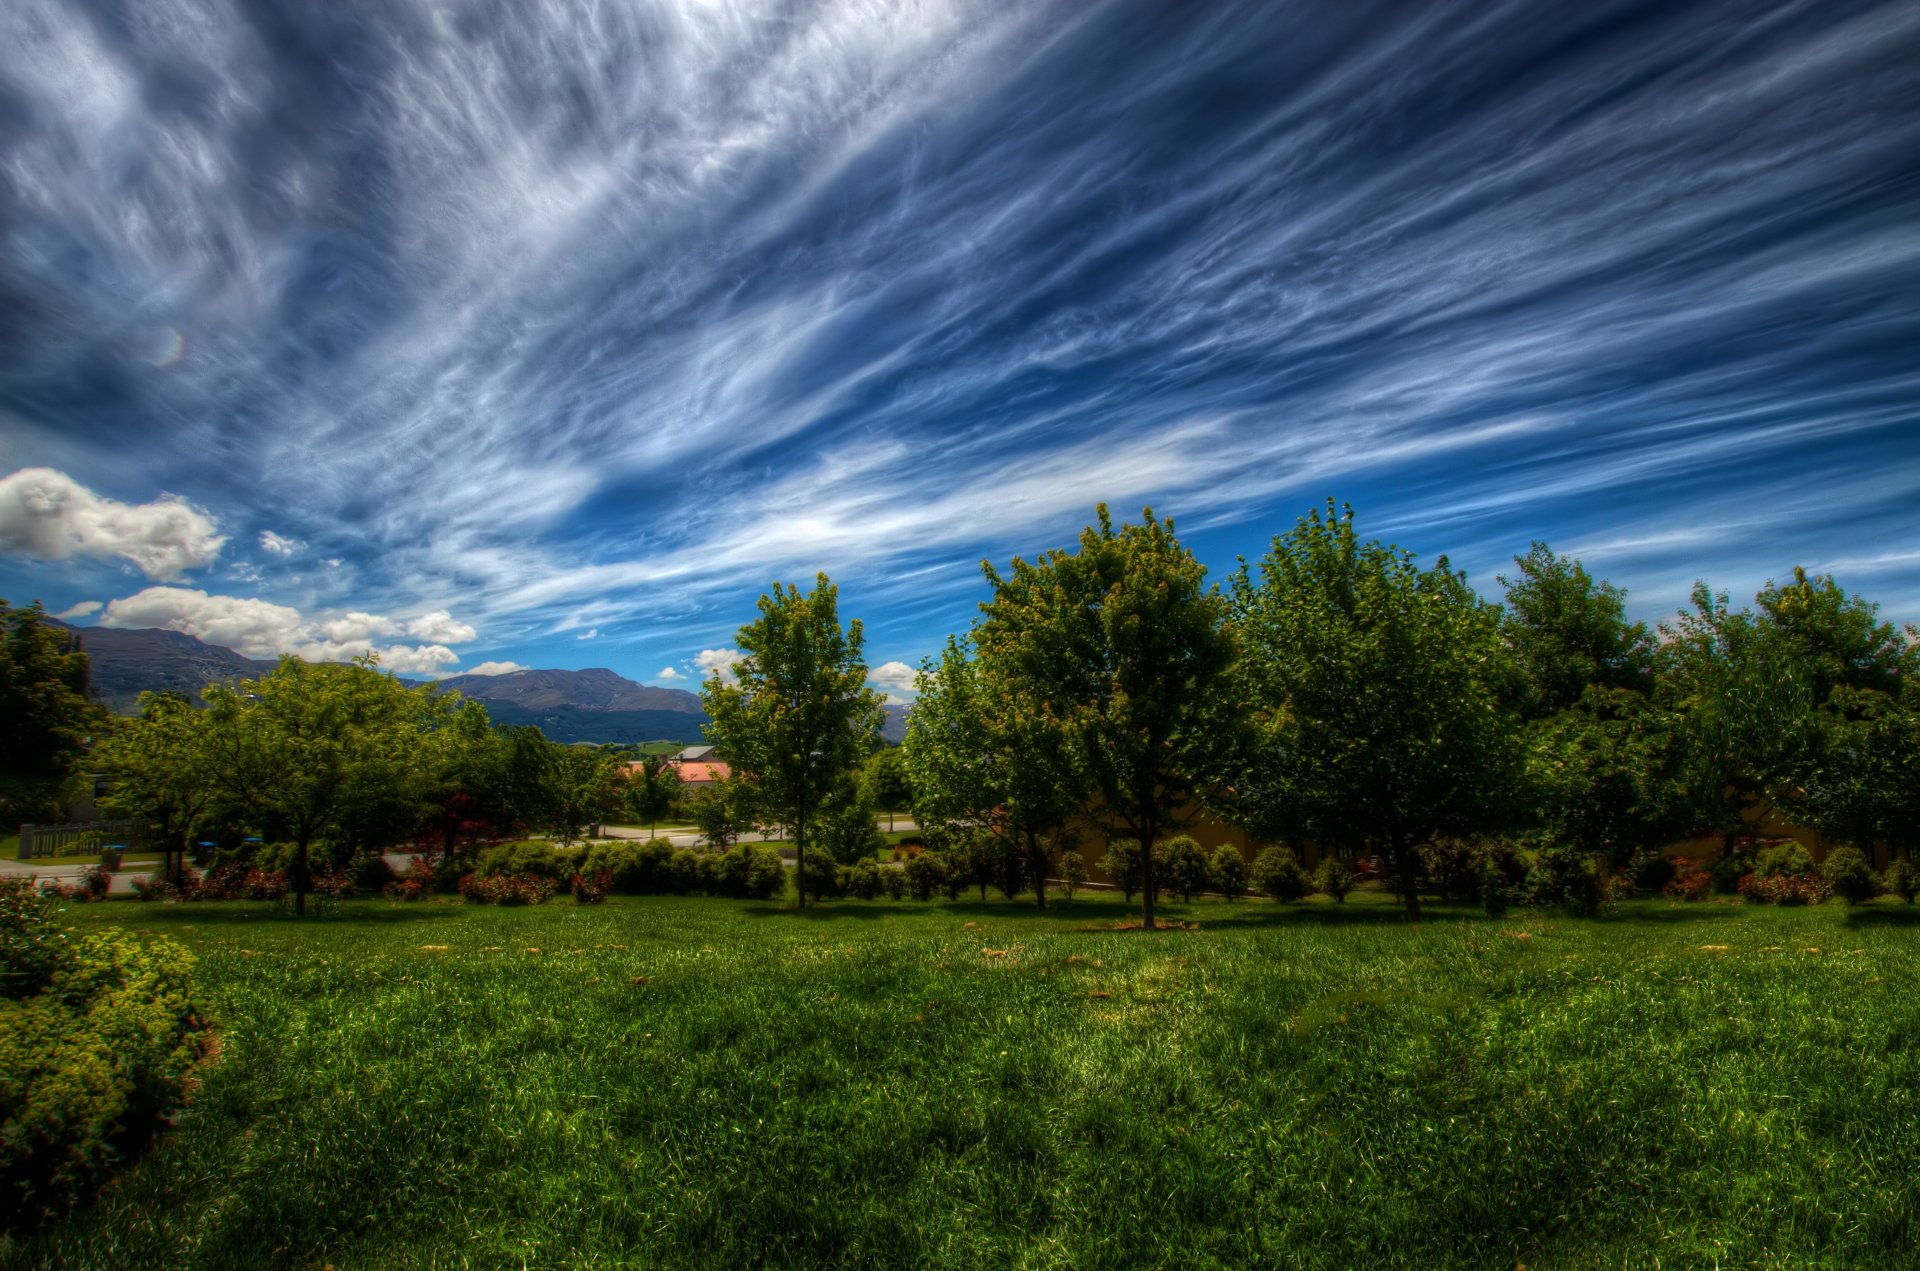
x: 262, y: 629
x: 80, y: 610
x: 895, y: 677
x: 441, y: 627
x: 494, y: 668
x: 278, y: 544
x: 668, y: 673
x: 48, y: 514
x: 718, y: 662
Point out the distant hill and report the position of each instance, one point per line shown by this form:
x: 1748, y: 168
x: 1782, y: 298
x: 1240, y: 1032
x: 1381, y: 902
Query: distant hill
x: 126, y: 662
x: 895, y: 729
x: 594, y: 689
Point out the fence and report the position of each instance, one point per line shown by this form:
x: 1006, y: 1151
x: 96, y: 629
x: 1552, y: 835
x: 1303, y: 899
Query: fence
x: 73, y: 838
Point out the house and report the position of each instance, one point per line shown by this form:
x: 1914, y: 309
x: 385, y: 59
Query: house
x: 702, y: 776
x: 695, y: 754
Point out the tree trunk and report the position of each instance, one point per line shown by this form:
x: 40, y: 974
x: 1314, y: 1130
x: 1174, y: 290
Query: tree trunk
x: 1149, y: 831
x: 1403, y: 859
x: 300, y: 876
x: 1037, y: 861
x: 800, y: 861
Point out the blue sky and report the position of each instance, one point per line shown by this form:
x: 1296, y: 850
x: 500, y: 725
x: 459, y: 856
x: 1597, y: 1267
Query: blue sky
x: 485, y: 333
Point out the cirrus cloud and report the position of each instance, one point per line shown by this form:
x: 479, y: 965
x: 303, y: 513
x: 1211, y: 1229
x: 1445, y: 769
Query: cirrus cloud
x: 47, y: 514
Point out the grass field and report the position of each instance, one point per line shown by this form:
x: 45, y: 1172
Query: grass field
x: 674, y: 1082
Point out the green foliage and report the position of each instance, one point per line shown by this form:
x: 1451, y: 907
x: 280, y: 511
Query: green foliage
x: 532, y: 857
x: 798, y: 718
x: 1901, y: 879
x: 652, y: 787
x: 1184, y: 867
x: 1570, y: 634
x: 1123, y: 866
x: 861, y: 880
x: 1849, y: 875
x: 1785, y: 858
x: 1121, y: 652
x: 1334, y: 878
x: 636, y: 868
x: 33, y: 947
x: 724, y: 811
x: 926, y: 876
x: 821, y: 877
x: 1229, y: 871
x: 1382, y: 694
x: 846, y: 827
x: 886, y: 783
x: 161, y: 771
x: 45, y: 713
x: 1651, y: 871
x: 1073, y: 871
x: 1566, y: 877
x: 90, y: 1060
x: 893, y: 882
x: 508, y: 889
x: 1277, y: 873
x: 1605, y: 774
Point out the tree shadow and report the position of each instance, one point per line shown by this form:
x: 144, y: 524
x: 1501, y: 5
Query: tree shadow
x: 1904, y: 916
x: 216, y: 913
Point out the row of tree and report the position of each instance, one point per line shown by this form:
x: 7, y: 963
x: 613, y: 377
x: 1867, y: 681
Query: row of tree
x: 1342, y: 695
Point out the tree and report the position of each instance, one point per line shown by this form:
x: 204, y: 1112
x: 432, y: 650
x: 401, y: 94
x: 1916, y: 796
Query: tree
x: 653, y: 785
x: 887, y: 783
x: 1569, y: 631
x: 46, y: 717
x: 798, y: 718
x: 310, y: 745
x: 1383, y: 694
x: 1118, y: 652
x: 724, y: 810
x: 583, y: 786
x: 983, y: 756
x: 465, y: 772
x: 161, y: 772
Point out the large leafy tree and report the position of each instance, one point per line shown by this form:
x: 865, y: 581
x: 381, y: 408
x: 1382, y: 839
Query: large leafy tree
x: 982, y: 755
x: 1602, y: 758
x: 313, y: 748
x: 652, y: 786
x: 887, y: 783
x: 798, y: 717
x: 1384, y: 695
x: 584, y: 785
x: 160, y: 764
x: 46, y: 717
x: 1118, y: 654
x: 465, y: 772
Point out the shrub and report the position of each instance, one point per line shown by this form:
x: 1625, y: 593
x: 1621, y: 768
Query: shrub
x: 1122, y: 865
x: 1785, y: 889
x: 592, y: 887
x: 1782, y: 859
x: 152, y: 887
x: 1184, y: 867
x: 1691, y: 881
x: 766, y: 876
x: 1277, y: 872
x: 90, y: 886
x: 371, y: 873
x: 1567, y: 877
x: 335, y: 884
x: 412, y: 883
x: 926, y: 875
x: 1334, y: 878
x: 1229, y: 871
x: 1496, y: 893
x: 1073, y: 871
x: 507, y: 889
x: 823, y: 875
x: 637, y: 868
x: 684, y: 872
x: 543, y: 859
x: 1849, y: 877
x: 862, y: 880
x: 893, y: 883
x: 1451, y: 866
x: 1902, y: 880
x: 264, y: 884
x: 1651, y: 871
x: 97, y: 1039
x: 1726, y: 872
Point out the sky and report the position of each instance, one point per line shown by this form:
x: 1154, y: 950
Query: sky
x: 489, y: 334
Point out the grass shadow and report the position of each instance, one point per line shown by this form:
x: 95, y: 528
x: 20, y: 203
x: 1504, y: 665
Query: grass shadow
x: 229, y: 913
x: 1904, y: 916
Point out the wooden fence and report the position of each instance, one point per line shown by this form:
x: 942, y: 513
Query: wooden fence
x: 74, y: 838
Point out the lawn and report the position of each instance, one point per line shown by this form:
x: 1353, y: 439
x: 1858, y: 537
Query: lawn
x: 675, y: 1082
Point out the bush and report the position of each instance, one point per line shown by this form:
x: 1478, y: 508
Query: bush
x: 1785, y: 889
x: 1566, y: 877
x: 152, y: 887
x: 1651, y: 871
x: 1123, y: 866
x: 1277, y: 872
x: 1229, y: 871
x: 97, y: 1040
x: 1784, y: 859
x: 766, y: 876
x: 862, y: 880
x: 1334, y: 878
x: 1184, y: 867
x: 1726, y: 872
x: 637, y: 868
x: 592, y: 887
x: 1496, y: 893
x: 1073, y: 871
x: 371, y: 873
x: 542, y: 859
x: 90, y: 886
x: 926, y: 876
x: 823, y: 875
x: 684, y: 873
x: 507, y: 889
x: 1849, y: 877
x: 1451, y: 866
x: 893, y: 883
x: 1902, y: 880
x: 1691, y: 881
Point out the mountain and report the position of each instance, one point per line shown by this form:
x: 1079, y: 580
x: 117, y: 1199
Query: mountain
x: 895, y: 728
x: 128, y: 661
x: 594, y: 689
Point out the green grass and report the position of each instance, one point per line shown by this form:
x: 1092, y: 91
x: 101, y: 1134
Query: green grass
x: 673, y: 1082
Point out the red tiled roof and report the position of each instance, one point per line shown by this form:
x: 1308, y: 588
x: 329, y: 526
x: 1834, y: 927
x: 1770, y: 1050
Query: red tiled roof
x: 700, y: 773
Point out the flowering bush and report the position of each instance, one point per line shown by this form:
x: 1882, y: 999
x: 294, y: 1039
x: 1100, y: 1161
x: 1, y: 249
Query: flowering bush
x: 507, y: 889
x: 265, y: 884
x: 155, y: 888
x: 1691, y: 881
x: 91, y: 885
x: 335, y: 884
x: 408, y: 886
x: 592, y: 887
x: 1785, y: 889
x: 222, y: 882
